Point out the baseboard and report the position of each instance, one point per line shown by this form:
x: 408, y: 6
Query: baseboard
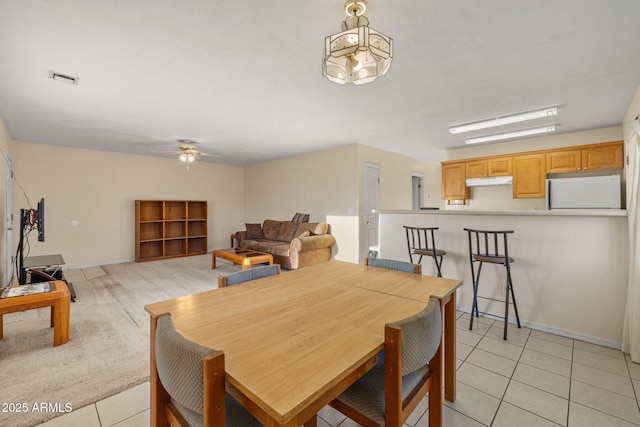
x: 555, y: 331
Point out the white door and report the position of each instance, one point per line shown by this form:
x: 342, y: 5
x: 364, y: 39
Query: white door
x: 371, y: 203
x: 8, y: 204
x: 417, y: 182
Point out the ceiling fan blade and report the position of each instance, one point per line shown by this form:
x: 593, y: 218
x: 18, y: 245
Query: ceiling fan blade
x: 166, y: 151
x: 217, y: 156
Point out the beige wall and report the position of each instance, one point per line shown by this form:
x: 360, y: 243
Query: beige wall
x: 5, y: 253
x: 323, y: 184
x: 501, y: 197
x: 329, y: 184
x: 97, y: 190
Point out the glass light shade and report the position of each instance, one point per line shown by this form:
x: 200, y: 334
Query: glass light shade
x: 357, y: 55
x: 187, y: 157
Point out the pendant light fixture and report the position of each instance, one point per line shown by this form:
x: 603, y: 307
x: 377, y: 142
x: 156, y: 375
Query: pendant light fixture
x: 358, y: 54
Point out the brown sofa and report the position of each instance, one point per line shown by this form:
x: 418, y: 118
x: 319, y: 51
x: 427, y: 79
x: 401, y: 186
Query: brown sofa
x: 293, y: 244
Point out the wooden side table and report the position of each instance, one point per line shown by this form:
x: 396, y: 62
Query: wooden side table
x: 59, y: 299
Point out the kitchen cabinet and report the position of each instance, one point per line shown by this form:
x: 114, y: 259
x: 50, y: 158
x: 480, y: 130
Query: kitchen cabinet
x: 606, y: 156
x: 586, y: 158
x: 492, y: 166
x: 454, y: 186
x: 564, y: 161
x: 500, y: 166
x: 529, y: 176
x: 476, y: 168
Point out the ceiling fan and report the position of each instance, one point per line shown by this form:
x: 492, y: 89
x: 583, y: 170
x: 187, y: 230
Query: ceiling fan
x: 188, y: 153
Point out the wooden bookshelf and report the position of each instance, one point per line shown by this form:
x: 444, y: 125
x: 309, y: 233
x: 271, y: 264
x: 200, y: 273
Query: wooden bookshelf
x: 170, y: 228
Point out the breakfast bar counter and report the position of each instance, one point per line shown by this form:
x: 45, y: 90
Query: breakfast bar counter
x: 570, y: 273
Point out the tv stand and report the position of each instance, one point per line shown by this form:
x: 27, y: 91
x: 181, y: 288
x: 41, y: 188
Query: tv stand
x: 44, y: 268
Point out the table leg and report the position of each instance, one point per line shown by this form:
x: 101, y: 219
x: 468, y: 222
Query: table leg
x: 450, y: 349
x: 312, y: 422
x: 213, y: 261
x: 60, y: 320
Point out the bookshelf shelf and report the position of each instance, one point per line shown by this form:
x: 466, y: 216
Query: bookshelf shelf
x: 170, y: 228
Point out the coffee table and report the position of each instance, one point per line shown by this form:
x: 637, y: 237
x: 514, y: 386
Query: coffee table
x: 245, y: 257
x: 58, y: 299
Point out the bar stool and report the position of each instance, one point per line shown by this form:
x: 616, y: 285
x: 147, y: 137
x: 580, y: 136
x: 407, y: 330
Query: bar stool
x: 485, y: 246
x: 421, y: 241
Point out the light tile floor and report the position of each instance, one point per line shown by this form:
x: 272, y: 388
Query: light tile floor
x: 533, y: 379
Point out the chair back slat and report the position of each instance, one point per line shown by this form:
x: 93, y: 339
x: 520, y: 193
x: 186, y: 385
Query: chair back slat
x: 489, y: 243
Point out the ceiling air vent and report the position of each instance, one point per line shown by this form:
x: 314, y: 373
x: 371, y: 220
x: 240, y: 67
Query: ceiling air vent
x: 63, y: 78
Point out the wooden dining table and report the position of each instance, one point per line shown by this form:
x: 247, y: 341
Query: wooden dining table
x: 296, y: 340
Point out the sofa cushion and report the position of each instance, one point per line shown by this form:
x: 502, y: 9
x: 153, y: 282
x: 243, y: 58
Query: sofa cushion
x: 272, y: 247
x: 254, y: 231
x: 270, y: 229
x: 287, y: 231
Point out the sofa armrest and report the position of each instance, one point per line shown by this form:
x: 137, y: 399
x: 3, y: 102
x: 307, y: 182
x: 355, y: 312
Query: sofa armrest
x: 310, y: 243
x: 239, y: 236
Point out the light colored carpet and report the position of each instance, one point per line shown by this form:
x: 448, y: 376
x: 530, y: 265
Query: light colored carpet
x: 108, y: 350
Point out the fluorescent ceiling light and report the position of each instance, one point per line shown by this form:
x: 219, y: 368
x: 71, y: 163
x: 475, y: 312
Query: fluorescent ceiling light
x: 499, y: 121
x: 510, y: 135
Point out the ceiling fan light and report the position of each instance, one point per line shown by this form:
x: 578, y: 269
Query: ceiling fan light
x: 183, y: 157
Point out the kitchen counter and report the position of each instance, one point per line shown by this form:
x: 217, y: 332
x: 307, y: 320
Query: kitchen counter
x: 554, y: 212
x: 571, y: 268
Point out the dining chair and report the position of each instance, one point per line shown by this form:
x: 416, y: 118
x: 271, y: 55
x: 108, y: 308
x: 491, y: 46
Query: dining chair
x: 392, y: 264
x: 389, y: 393
x: 421, y: 241
x: 194, y: 378
x: 249, y: 274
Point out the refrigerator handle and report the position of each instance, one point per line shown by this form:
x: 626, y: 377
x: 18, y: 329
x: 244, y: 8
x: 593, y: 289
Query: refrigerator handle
x: 548, y: 198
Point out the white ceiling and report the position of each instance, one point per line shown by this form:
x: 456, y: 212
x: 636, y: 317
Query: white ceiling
x: 243, y: 78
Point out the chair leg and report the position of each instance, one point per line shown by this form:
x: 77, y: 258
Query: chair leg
x: 438, y: 265
x: 506, y: 308
x: 513, y: 297
x: 474, y: 306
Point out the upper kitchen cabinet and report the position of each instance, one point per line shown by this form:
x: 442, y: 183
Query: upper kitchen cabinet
x: 529, y: 176
x: 603, y: 156
x: 564, y: 161
x: 476, y: 168
x: 454, y: 186
x: 492, y: 166
x: 586, y: 158
x: 500, y: 166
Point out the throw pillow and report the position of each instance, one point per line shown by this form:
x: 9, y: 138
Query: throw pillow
x: 254, y: 231
x: 305, y: 234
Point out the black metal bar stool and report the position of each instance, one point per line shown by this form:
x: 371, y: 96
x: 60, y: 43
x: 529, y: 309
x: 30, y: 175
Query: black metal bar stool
x: 421, y: 241
x: 490, y: 247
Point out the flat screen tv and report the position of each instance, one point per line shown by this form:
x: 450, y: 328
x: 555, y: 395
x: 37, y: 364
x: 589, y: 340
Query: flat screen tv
x: 40, y: 220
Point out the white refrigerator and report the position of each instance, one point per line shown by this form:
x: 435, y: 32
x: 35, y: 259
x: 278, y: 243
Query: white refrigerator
x: 592, y: 192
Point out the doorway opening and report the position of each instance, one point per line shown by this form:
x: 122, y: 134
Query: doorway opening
x: 417, y: 193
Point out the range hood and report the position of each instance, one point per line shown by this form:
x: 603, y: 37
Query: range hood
x: 490, y: 180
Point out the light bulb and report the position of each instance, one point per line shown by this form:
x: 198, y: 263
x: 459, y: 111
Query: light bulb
x: 183, y: 157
